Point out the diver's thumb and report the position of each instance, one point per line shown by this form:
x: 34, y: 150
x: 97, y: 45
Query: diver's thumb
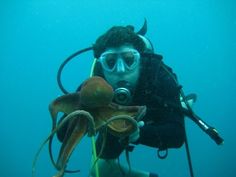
x: 136, y: 134
x: 140, y: 124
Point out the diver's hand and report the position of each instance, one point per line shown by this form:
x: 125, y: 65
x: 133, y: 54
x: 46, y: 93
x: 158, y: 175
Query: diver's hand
x: 135, y: 136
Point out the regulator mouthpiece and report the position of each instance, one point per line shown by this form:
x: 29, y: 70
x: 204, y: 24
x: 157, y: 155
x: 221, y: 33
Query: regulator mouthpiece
x: 122, y: 96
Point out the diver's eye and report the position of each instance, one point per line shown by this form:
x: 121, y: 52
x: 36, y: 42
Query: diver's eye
x: 111, y: 60
x: 128, y: 58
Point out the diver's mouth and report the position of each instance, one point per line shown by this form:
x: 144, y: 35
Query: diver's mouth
x: 123, y: 83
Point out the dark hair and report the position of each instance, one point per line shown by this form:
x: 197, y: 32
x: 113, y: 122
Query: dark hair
x: 117, y: 36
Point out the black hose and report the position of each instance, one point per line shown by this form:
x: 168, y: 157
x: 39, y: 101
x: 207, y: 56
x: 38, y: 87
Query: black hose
x: 63, y: 65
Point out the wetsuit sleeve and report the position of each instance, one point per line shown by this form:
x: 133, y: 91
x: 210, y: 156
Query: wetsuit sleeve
x: 164, y: 126
x: 169, y: 134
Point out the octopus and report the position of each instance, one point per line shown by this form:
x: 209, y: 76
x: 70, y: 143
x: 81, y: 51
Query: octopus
x: 88, y: 112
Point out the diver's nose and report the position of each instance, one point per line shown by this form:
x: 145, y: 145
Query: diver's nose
x: 120, y: 66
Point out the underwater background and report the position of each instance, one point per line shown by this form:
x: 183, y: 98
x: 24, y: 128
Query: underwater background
x: 196, y: 37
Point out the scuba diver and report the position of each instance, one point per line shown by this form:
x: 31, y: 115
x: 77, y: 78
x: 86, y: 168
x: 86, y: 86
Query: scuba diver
x: 126, y: 60
x: 138, y: 76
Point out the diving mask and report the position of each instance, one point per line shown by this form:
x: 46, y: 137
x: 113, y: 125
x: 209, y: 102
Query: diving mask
x: 126, y: 59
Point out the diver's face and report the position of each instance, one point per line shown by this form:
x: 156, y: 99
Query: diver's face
x: 121, y: 64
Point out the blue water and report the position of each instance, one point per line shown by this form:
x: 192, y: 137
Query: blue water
x: 196, y: 38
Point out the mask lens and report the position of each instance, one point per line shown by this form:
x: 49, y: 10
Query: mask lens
x: 110, y: 60
x: 128, y: 58
x: 131, y: 58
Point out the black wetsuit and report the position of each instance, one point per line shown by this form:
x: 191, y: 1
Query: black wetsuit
x: 164, y: 127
